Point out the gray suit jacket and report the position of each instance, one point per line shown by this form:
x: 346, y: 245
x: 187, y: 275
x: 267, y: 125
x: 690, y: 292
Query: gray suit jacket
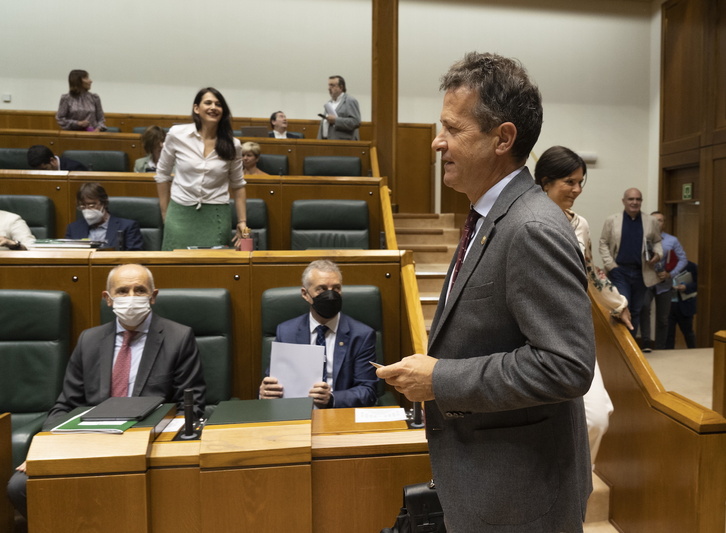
x: 170, y: 363
x: 348, y: 121
x: 515, y: 342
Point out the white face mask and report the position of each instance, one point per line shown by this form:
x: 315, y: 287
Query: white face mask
x: 131, y: 310
x: 92, y: 216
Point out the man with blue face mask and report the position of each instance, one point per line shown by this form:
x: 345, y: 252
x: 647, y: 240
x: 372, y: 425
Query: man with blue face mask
x: 138, y: 354
x: 348, y: 379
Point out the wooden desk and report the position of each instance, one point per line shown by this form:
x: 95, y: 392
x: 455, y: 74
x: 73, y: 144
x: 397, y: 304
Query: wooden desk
x: 359, y: 471
x: 88, y: 482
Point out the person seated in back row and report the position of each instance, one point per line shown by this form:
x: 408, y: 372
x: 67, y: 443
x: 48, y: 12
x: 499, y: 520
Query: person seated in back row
x: 98, y: 224
x: 153, y: 141
x: 250, y: 157
x: 348, y: 380
x: 41, y: 157
x: 138, y: 354
x: 278, y: 121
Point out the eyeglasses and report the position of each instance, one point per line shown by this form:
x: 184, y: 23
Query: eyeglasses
x: 94, y: 205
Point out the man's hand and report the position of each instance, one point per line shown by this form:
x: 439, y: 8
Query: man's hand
x: 663, y: 275
x: 412, y: 376
x: 320, y: 393
x: 22, y: 467
x: 270, y: 388
x: 654, y: 260
x: 330, y: 119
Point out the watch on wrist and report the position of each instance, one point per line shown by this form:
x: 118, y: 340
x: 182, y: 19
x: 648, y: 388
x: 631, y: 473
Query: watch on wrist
x: 15, y: 246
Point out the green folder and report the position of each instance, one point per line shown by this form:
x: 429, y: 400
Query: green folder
x: 251, y: 411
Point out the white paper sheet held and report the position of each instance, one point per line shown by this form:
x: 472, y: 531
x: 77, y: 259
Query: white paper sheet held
x: 330, y: 110
x: 296, y: 367
x: 380, y: 415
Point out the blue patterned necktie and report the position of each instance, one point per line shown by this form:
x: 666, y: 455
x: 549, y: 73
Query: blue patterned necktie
x: 320, y: 341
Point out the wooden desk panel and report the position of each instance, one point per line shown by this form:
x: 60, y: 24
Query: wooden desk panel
x: 7, y: 512
x: 58, y: 271
x: 98, y: 504
x: 174, y: 500
x: 54, y: 185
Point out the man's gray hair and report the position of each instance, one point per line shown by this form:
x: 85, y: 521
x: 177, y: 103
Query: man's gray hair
x: 506, y: 94
x: 324, y: 265
x: 114, y: 269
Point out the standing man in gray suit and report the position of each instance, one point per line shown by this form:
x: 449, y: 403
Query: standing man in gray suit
x: 512, y: 346
x: 341, y: 117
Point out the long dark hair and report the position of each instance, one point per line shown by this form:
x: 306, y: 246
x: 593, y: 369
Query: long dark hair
x: 75, y: 82
x: 225, y: 137
x: 556, y: 163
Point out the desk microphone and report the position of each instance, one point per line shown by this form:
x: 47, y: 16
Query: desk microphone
x: 189, y: 432
x: 416, y: 421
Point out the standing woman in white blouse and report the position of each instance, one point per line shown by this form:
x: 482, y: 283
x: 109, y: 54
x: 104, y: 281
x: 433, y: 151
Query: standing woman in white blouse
x: 80, y: 109
x: 208, y: 158
x: 561, y: 173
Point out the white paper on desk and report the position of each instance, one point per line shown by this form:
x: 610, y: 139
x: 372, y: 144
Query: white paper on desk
x: 330, y: 110
x: 380, y: 415
x: 174, y: 426
x: 297, y: 367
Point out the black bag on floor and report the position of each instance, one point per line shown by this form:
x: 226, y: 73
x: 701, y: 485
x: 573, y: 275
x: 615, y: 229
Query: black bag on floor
x: 421, y: 511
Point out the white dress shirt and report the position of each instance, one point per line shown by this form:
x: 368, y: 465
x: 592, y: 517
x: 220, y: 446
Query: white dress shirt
x: 198, y: 179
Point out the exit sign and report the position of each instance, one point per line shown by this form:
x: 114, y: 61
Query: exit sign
x: 687, y: 191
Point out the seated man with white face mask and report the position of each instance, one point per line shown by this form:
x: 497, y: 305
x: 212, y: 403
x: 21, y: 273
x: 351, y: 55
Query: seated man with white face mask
x: 348, y: 379
x: 138, y: 354
x: 98, y: 224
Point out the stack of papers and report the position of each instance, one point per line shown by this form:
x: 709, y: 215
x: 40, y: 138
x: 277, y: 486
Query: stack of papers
x: 76, y: 425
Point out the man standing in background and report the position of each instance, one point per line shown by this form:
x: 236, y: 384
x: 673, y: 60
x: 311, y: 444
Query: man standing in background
x: 341, y: 119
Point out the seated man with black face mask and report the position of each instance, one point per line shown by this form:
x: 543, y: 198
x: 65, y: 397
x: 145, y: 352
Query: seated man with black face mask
x: 348, y: 380
x: 138, y: 354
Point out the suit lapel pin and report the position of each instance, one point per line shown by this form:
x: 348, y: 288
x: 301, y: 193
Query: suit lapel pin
x: 483, y: 239
x: 341, y: 343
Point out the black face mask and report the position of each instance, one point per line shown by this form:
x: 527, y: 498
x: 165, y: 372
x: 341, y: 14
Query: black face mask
x: 328, y: 303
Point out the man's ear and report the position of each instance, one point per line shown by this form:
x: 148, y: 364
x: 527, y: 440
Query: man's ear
x: 507, y: 133
x: 305, y: 295
x: 152, y: 298
x: 106, y: 296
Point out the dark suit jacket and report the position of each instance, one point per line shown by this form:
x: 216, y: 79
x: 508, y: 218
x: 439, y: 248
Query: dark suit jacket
x: 170, y: 363
x: 507, y: 433
x: 348, y: 121
x: 133, y: 240
x: 290, y: 135
x: 354, y: 378
x: 688, y: 307
x: 71, y: 165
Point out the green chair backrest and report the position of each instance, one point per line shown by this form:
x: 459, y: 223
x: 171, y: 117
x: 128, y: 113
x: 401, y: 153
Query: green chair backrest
x: 14, y: 158
x: 145, y: 211
x: 38, y: 212
x: 256, y: 220
x: 101, y: 160
x: 329, y: 224
x: 274, y: 164
x: 331, y: 165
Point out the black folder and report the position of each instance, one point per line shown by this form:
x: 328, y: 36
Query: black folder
x: 124, y: 408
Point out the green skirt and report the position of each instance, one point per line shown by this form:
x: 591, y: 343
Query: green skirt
x: 210, y: 225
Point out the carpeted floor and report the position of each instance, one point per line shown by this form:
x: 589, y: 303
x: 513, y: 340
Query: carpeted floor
x: 687, y: 372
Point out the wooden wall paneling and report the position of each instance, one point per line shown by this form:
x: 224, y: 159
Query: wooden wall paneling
x: 224, y: 269
x: 711, y: 298
x: 682, y: 76
x: 174, y: 497
x: 299, y: 188
x: 30, y: 120
x: 56, y: 271
x: 384, y: 85
x: 715, y: 58
x: 54, y: 185
x: 413, y: 189
x: 22, y: 138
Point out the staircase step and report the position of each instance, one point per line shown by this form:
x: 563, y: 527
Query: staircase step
x: 431, y: 253
x: 409, y: 236
x: 420, y: 220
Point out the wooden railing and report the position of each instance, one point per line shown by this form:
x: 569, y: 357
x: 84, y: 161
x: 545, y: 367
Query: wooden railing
x: 664, y: 455
x: 719, y: 372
